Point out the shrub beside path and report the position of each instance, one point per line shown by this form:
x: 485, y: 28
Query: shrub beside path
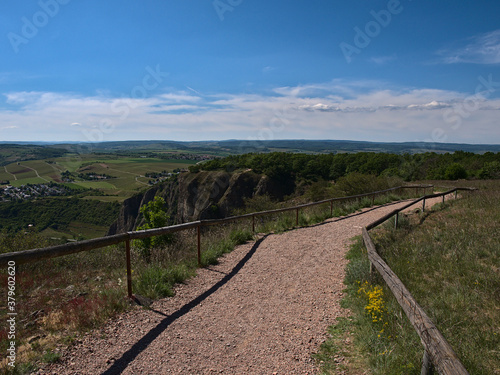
x: 264, y: 309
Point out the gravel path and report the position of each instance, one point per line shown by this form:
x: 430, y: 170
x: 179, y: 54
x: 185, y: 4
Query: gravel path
x: 264, y: 309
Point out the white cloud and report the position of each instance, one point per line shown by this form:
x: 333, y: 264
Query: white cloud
x: 332, y: 110
x: 382, y: 60
x: 480, y: 49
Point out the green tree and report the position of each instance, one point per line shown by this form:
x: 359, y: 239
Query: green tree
x: 154, y: 217
x: 455, y: 171
x: 490, y: 170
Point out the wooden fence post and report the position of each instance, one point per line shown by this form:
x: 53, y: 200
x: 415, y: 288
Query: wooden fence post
x: 423, y: 205
x: 297, y: 217
x: 331, y: 208
x: 427, y: 368
x: 253, y: 223
x: 129, y: 270
x: 198, y: 229
x: 396, y: 220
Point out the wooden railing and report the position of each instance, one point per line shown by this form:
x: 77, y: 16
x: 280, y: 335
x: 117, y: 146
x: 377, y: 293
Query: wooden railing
x: 29, y: 256
x: 437, y: 351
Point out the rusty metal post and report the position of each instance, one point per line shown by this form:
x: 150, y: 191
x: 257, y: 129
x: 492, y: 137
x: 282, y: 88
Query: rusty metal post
x: 198, y: 230
x: 129, y: 270
x: 297, y: 217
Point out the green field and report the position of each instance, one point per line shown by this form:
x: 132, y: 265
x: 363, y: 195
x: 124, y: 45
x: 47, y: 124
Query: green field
x: 76, y: 230
x: 127, y: 173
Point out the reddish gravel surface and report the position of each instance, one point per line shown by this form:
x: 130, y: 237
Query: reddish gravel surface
x: 264, y: 309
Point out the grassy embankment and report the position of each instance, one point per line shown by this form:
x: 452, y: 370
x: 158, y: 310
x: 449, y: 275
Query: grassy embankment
x: 60, y: 298
x: 449, y: 259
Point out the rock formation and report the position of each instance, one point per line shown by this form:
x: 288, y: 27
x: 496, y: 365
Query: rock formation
x: 195, y: 196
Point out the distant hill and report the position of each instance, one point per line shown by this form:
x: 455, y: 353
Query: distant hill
x: 327, y: 146
x: 11, y: 153
x: 236, y: 146
x: 23, y: 150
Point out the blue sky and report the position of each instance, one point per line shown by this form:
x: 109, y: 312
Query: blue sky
x: 74, y: 70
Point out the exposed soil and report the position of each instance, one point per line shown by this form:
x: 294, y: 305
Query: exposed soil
x: 264, y: 309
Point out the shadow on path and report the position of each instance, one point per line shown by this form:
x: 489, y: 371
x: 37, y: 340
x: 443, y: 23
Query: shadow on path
x: 121, y: 364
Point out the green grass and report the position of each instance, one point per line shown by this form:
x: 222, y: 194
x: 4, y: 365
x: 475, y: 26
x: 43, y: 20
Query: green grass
x: 156, y: 281
x: 61, y: 296
x: 96, y: 185
x: 449, y: 260
x: 177, y: 262
x: 51, y: 357
x: 28, y: 180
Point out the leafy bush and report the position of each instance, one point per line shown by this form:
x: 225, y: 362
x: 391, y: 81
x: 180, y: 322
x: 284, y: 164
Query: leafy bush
x: 356, y: 183
x: 155, y: 217
x: 455, y: 171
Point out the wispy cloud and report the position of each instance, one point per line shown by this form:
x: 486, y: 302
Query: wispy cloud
x: 382, y: 60
x: 434, y: 105
x: 331, y: 110
x: 268, y: 69
x: 479, y: 49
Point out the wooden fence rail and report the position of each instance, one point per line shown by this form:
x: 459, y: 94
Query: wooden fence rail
x: 436, y: 348
x: 33, y: 255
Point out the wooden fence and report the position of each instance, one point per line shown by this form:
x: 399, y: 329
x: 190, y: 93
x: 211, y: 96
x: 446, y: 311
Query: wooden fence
x: 437, y: 351
x: 29, y: 256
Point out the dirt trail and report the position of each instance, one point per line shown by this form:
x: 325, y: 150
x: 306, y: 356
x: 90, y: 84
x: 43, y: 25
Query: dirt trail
x: 264, y: 309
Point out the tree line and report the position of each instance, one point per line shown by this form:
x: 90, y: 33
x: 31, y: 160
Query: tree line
x: 409, y: 167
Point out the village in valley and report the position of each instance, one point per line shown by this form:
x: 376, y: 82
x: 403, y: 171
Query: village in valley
x: 10, y: 193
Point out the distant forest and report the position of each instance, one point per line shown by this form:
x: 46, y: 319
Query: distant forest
x: 56, y: 213
x: 409, y: 167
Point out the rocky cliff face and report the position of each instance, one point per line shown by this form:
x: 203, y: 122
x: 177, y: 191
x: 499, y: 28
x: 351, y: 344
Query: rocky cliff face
x: 195, y: 196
